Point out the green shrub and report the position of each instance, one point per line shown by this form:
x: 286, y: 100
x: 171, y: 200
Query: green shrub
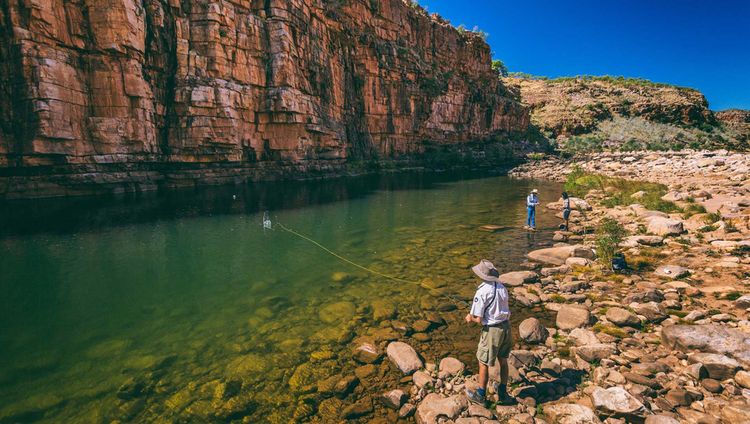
x: 609, y: 235
x: 610, y: 330
x: 733, y: 295
x: 536, y: 156
x: 692, y: 209
x: 499, y: 67
x: 712, y: 218
x: 619, y: 190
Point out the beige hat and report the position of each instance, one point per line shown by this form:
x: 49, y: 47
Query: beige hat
x: 535, y: 191
x: 486, y: 271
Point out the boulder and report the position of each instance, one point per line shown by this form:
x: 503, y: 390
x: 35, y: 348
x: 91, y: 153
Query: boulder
x: 570, y: 413
x: 622, y: 317
x: 407, y: 410
x: 743, y: 302
x: 651, y: 311
x: 735, y: 413
x: 595, y: 352
x: 434, y: 406
x: 642, y: 296
x: 531, y: 330
x: 642, y: 212
x: 523, y: 358
x: 480, y: 411
x: 570, y: 317
x: 394, y: 399
x: 571, y: 262
x: 662, y: 226
x: 404, y: 357
x: 583, y: 337
x: 680, y: 397
x: 742, y: 378
x: 661, y: 419
x: 634, y: 241
x: 719, y: 367
x: 519, y: 278
x: 422, y: 379
x: 557, y: 255
x: 450, y: 367
x: 672, y: 271
x: 617, y: 402
x: 711, y: 338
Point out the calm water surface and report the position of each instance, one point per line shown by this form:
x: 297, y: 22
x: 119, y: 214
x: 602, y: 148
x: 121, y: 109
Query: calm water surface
x: 180, y: 307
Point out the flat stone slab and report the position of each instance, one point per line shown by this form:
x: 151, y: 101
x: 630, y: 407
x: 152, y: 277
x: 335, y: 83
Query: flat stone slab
x: 716, y: 289
x: 710, y: 338
x: 518, y: 278
x: 492, y: 228
x: 559, y: 254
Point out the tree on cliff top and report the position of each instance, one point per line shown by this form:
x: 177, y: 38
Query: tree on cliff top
x: 499, y: 67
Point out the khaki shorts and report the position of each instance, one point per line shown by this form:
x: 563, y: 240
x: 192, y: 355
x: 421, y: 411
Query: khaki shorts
x: 495, y: 342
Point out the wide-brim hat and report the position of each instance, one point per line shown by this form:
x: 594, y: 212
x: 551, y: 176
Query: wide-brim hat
x: 535, y: 191
x: 486, y: 271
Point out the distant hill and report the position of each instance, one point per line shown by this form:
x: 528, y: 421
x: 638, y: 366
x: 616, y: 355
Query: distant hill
x: 590, y: 113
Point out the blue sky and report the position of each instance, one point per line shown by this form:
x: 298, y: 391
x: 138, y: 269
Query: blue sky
x: 699, y: 44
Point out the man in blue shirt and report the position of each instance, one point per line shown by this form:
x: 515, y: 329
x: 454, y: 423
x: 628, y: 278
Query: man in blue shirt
x: 531, y: 201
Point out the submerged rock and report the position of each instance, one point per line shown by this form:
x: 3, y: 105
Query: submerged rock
x: 367, y: 353
x: 394, y: 399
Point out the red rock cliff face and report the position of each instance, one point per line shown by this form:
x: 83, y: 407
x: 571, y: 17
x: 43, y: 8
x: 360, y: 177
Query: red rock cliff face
x: 165, y: 81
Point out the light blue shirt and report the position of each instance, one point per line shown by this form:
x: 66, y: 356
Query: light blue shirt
x: 491, y: 304
x: 532, y: 200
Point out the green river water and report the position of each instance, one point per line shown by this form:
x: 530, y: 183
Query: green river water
x: 180, y: 307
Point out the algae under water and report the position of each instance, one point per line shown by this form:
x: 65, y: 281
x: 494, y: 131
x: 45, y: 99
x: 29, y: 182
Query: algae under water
x: 180, y: 307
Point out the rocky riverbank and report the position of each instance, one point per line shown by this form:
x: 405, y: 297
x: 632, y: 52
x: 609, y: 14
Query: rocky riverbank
x: 666, y: 342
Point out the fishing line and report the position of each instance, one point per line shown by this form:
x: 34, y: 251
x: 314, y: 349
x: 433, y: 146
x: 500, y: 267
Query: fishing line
x: 267, y: 225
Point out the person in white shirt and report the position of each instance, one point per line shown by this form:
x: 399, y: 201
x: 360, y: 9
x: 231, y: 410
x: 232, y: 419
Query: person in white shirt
x: 531, y: 201
x: 490, y: 309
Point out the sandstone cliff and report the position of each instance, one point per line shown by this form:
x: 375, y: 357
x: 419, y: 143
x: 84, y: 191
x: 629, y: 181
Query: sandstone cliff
x: 615, y: 112
x: 237, y: 81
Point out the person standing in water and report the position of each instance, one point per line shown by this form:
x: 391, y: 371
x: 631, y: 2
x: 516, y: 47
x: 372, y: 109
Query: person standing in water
x: 531, y: 201
x: 490, y: 309
x: 566, y: 210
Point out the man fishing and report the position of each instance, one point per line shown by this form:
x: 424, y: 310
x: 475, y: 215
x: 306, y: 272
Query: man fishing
x: 490, y: 309
x: 531, y: 201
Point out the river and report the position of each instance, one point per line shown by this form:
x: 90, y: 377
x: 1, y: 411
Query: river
x: 181, y: 307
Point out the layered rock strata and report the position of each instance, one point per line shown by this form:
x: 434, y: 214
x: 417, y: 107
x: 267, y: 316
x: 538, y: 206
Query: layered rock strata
x: 88, y: 84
